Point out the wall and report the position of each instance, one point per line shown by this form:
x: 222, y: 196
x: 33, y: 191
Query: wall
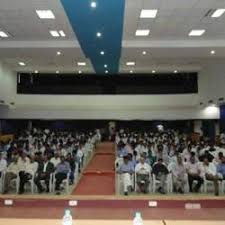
x: 145, y: 107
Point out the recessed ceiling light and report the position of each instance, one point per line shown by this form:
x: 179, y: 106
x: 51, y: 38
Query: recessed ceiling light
x: 153, y: 71
x: 105, y: 65
x: 130, y: 63
x: 102, y: 53
x: 22, y: 64
x: 56, y: 71
x: 148, y: 13
x: 81, y: 63
x: 61, y: 32
x: 3, y: 34
x: 106, y: 71
x: 145, y: 32
x: 212, y: 52
x: 98, y: 34
x: 131, y: 71
x: 54, y: 33
x: 175, y: 71
x: 58, y: 53
x: 93, y: 4
x: 218, y: 13
x: 36, y: 71
x: 79, y: 71
x: 144, y: 53
x: 45, y: 14
x: 196, y: 32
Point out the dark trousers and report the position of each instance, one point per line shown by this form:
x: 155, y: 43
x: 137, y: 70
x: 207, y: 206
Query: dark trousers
x: 42, y: 176
x: 199, y: 180
x: 24, y: 177
x: 59, y: 178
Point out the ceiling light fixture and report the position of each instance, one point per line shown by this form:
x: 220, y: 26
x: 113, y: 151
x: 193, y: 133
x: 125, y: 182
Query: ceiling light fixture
x: 22, y: 64
x: 153, y: 71
x: 102, y: 53
x: 144, y: 53
x: 212, y: 52
x: 145, y: 32
x: 196, y: 32
x: 105, y: 65
x: 130, y: 63
x: 93, y: 4
x: 56, y: 33
x: 81, y: 63
x: 218, y: 13
x: 36, y: 71
x: 79, y: 71
x: 106, y: 71
x: 148, y: 13
x: 3, y: 34
x: 45, y: 14
x: 98, y: 34
x: 58, y: 53
x: 57, y: 71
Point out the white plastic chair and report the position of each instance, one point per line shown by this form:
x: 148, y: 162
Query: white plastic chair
x: 65, y: 182
x: 16, y: 181
x: 50, y: 187
x: 169, y: 185
x: 2, y: 178
x: 119, y: 183
x: 31, y: 182
x: 136, y: 185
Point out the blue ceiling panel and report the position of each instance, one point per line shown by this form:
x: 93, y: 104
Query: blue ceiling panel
x: 107, y: 18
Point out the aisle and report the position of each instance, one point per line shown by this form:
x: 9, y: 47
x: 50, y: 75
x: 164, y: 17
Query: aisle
x: 99, y: 176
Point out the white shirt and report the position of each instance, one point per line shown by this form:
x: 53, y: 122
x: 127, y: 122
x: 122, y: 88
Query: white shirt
x: 193, y: 168
x: 3, y: 165
x: 210, y: 169
x: 45, y: 166
x: 55, y: 161
x: 143, y: 168
x: 31, y: 167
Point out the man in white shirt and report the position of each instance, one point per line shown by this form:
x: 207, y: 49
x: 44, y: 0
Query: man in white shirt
x: 143, y: 171
x: 55, y: 160
x: 194, y: 173
x: 29, y: 172
x: 11, y: 173
x: 3, y: 164
x: 179, y: 174
x: 210, y: 173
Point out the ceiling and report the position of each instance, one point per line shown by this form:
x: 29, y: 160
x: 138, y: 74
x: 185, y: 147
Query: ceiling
x: 168, y: 47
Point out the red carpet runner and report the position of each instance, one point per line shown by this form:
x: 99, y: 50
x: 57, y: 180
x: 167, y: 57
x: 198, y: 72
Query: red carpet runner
x: 99, y: 176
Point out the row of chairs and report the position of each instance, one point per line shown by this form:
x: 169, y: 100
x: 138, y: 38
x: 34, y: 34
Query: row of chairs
x: 208, y: 185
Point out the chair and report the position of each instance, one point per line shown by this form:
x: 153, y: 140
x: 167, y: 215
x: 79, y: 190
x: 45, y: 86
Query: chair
x: 65, y: 182
x: 119, y: 183
x: 31, y: 182
x: 16, y: 181
x: 222, y: 187
x: 50, y: 187
x: 169, y: 185
x: 136, y: 186
x: 2, y: 178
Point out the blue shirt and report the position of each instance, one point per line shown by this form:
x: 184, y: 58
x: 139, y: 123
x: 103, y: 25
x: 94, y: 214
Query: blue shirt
x: 122, y: 152
x: 221, y: 168
x: 63, y: 168
x: 126, y: 168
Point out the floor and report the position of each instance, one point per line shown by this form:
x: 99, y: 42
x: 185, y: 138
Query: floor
x: 103, y: 222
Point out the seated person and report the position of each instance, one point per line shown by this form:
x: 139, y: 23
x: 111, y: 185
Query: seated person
x: 179, y: 174
x: 71, y: 161
x: 126, y: 170
x: 62, y: 170
x: 210, y: 173
x: 27, y: 174
x: 194, y: 173
x: 221, y: 168
x: 11, y: 173
x: 143, y: 170
x: 3, y: 164
x: 55, y: 160
x: 160, y: 171
x: 45, y: 168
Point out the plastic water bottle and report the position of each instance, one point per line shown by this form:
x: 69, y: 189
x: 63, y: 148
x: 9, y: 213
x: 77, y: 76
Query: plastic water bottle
x: 137, y: 219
